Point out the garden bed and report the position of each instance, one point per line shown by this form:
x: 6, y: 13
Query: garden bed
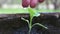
x: 13, y: 24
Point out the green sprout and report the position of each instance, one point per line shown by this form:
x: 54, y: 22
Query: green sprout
x: 32, y: 13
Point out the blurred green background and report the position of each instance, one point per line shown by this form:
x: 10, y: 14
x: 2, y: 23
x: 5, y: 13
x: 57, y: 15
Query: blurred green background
x: 15, y: 6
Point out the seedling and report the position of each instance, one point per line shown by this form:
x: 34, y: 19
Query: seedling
x: 33, y: 14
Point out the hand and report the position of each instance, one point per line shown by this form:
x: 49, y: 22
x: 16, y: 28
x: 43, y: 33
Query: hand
x: 32, y: 3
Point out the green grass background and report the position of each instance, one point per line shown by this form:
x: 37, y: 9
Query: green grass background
x: 17, y: 11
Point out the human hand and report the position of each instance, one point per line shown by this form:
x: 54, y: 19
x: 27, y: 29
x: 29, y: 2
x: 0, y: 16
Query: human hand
x: 31, y: 3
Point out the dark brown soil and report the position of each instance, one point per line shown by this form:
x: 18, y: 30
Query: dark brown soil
x: 12, y: 24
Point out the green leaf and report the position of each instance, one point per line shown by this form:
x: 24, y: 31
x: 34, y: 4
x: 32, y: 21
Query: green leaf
x: 33, y: 12
x: 39, y: 25
x: 25, y: 20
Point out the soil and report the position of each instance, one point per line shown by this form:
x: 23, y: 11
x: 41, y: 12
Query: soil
x: 13, y: 24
